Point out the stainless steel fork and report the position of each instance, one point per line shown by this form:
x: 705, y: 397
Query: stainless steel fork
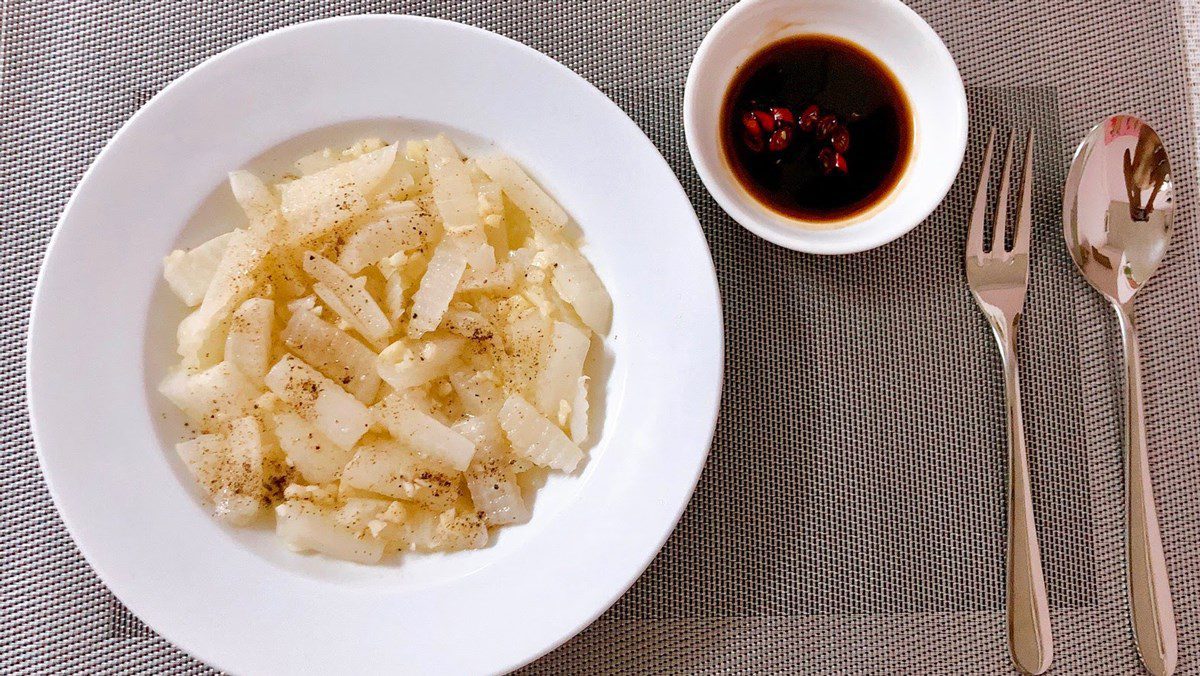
x: 998, y: 279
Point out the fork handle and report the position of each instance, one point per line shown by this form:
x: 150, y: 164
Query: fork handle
x: 1030, y: 644
x: 1150, y: 605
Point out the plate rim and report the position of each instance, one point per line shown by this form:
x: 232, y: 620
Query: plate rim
x: 73, y: 528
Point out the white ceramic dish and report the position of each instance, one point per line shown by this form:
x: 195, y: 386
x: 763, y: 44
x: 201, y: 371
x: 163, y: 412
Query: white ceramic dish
x: 898, y: 37
x: 101, y: 337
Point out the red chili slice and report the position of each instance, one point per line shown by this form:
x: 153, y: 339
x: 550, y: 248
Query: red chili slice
x: 826, y: 125
x: 780, y: 140
x: 782, y: 116
x: 765, y: 120
x: 808, y: 118
x: 839, y: 138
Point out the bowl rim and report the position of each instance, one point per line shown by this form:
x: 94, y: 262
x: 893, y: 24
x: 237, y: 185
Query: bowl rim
x: 799, y: 239
x: 34, y: 391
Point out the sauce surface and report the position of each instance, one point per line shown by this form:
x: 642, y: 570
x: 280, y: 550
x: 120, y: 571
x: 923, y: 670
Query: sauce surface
x: 829, y: 162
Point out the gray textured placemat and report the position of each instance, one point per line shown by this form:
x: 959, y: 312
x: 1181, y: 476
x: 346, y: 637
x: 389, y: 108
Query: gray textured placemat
x: 851, y: 516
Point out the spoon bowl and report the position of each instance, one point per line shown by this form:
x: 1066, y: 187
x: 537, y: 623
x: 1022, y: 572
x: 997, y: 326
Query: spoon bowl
x: 1119, y: 206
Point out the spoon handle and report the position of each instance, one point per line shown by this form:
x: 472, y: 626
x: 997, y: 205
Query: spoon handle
x: 1028, y: 608
x: 1149, y: 590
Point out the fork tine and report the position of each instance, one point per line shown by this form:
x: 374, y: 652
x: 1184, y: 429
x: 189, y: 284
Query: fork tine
x: 1024, y: 210
x: 975, y: 233
x: 1000, y: 225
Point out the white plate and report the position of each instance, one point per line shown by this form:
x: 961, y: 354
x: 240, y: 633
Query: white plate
x: 101, y: 336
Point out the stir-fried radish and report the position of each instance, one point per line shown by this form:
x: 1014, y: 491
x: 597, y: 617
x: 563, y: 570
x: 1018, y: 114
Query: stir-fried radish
x: 523, y: 191
x: 534, y: 437
x: 502, y: 278
x: 232, y: 282
x: 437, y: 288
x: 189, y: 273
x: 580, y: 409
x: 318, y: 459
x: 495, y: 491
x: 491, y: 478
x: 481, y: 258
x: 526, y: 337
x: 211, y: 396
x: 248, y: 344
x: 577, y: 283
x: 307, y: 527
x: 396, y: 227
x: 478, y: 392
x: 348, y: 297
x: 426, y: 531
x: 257, y: 201
x: 239, y: 497
x: 405, y: 364
x: 333, y: 352
x: 425, y: 434
x: 465, y: 322
x: 559, y: 378
x: 204, y: 456
x: 453, y: 193
x: 387, y: 468
x: 320, y: 401
x: 318, y: 160
x: 384, y: 348
x: 316, y: 204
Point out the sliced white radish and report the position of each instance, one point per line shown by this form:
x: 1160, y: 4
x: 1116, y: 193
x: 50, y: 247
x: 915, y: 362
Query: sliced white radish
x: 423, y: 530
x: 318, y: 160
x: 495, y: 491
x: 189, y: 273
x: 348, y: 297
x: 307, y: 527
x: 257, y: 200
x: 578, y: 421
x: 502, y: 278
x: 318, y: 459
x: 534, y: 437
x: 526, y: 337
x: 357, y: 513
x: 317, y: 203
x: 395, y: 227
x: 425, y: 434
x: 523, y: 191
x: 453, y: 192
x: 461, y: 320
x: 232, y: 282
x: 558, y: 380
x: 320, y: 401
x: 212, y: 396
x: 204, y: 456
x: 248, y: 343
x: 478, y: 392
x: 387, y: 468
x: 406, y: 364
x: 481, y: 259
x: 333, y: 352
x: 240, y: 496
x: 438, y: 285
x: 575, y: 280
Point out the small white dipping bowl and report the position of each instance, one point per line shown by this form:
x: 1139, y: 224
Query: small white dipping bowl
x: 897, y: 37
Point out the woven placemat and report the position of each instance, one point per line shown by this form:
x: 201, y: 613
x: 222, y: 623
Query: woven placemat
x: 851, y: 517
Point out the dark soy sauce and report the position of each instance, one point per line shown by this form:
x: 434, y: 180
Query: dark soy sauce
x: 800, y: 180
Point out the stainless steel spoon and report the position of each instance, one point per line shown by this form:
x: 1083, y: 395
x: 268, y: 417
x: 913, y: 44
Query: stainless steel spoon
x: 1117, y: 216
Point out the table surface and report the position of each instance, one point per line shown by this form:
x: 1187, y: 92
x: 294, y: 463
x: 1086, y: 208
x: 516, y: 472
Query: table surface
x: 851, y: 516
